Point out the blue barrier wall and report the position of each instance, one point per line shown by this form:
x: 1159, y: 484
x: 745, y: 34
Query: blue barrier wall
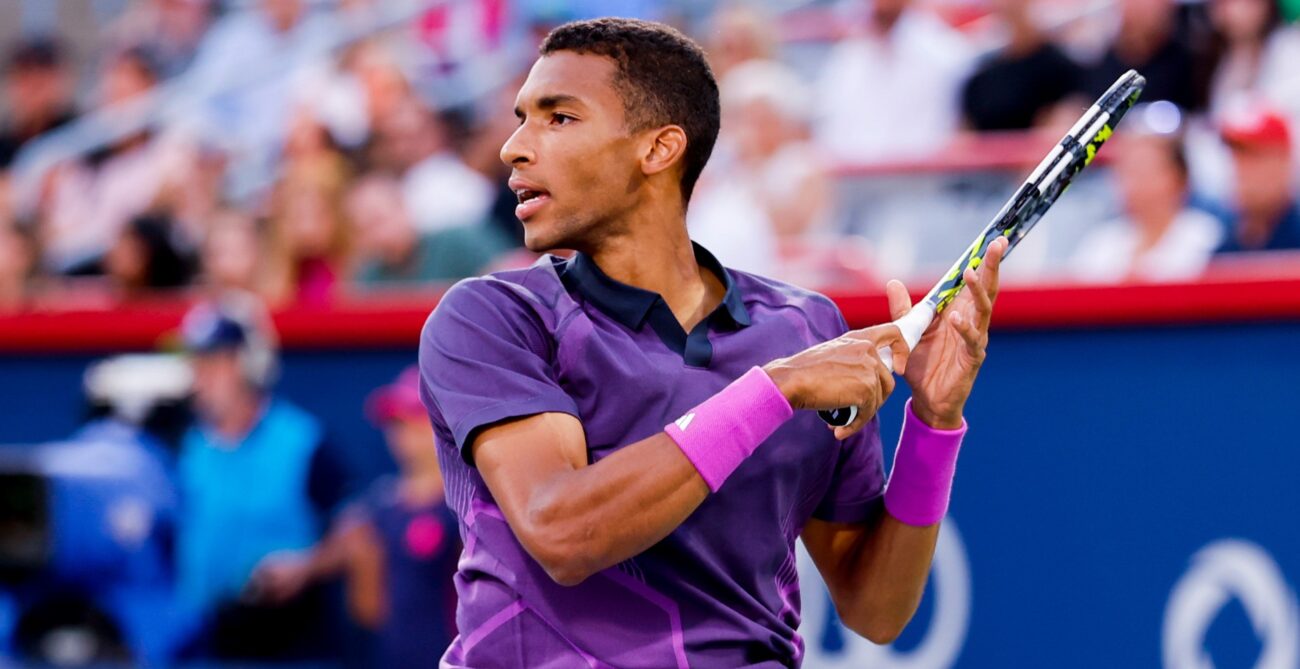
x: 1098, y: 464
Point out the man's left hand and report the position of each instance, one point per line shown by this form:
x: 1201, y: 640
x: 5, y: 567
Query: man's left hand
x: 941, y: 369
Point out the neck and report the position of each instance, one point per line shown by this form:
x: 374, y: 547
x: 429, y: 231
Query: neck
x: 654, y: 253
x: 1154, y: 225
x: 239, y: 420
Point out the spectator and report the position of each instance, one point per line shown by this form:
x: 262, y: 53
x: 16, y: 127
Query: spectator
x: 440, y: 190
x: 308, y: 237
x: 309, y: 141
x: 775, y: 188
x: 17, y: 264
x: 1159, y: 237
x: 395, y: 142
x: 249, y: 70
x: 1267, y: 217
x: 92, y: 200
x: 366, y: 86
x: 741, y: 33
x: 1251, y: 55
x: 893, y: 90
x: 144, y: 258
x: 192, y: 193
x: 1149, y: 43
x: 392, y: 251
x: 169, y: 29
x: 254, y: 478
x: 1025, y: 82
x: 397, y: 546
x: 38, y: 91
x: 232, y: 256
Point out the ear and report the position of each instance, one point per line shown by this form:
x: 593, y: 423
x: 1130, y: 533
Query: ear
x: 664, y: 148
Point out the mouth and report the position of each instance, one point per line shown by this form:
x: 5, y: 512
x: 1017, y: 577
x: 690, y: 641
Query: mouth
x: 531, y: 199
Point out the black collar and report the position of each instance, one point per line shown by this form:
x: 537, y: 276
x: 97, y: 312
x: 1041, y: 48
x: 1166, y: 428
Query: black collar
x: 631, y: 306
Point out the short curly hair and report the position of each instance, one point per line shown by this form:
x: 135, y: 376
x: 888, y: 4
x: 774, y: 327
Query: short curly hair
x: 663, y: 77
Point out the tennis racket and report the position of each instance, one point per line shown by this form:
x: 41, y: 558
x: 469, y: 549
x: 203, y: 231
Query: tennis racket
x: 1019, y: 215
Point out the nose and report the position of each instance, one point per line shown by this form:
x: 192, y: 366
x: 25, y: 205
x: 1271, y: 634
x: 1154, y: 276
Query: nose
x: 518, y: 149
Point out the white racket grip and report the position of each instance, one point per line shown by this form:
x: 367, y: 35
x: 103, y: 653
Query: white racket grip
x: 912, y: 326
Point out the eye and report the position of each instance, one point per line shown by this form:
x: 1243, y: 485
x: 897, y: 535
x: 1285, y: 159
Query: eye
x: 561, y: 119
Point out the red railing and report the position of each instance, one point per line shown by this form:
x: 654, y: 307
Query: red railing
x: 1237, y: 290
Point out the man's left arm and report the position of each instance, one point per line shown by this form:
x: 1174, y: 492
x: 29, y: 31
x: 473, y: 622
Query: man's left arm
x: 876, y: 570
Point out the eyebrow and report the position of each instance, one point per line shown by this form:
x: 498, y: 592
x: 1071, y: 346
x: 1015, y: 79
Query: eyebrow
x: 551, y: 102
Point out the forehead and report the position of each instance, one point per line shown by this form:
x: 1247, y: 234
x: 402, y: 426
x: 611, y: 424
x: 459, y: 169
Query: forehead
x: 588, y: 78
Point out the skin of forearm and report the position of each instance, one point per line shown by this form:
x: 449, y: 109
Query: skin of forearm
x: 882, y: 575
x: 593, y: 517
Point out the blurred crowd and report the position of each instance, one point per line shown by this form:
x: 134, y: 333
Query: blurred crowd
x: 201, y: 517
x: 306, y: 150
x: 301, y: 152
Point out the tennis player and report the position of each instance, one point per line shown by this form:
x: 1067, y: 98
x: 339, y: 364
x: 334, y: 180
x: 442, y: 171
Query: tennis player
x: 627, y: 435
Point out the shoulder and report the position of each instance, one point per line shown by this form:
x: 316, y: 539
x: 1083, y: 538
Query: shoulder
x: 533, y: 292
x: 766, y: 297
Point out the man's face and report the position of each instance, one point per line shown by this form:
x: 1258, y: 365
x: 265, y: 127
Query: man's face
x: 1263, y: 175
x: 219, y: 383
x: 575, y: 164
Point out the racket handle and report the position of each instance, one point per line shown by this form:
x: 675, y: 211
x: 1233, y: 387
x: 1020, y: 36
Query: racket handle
x: 912, y: 325
x: 846, y: 415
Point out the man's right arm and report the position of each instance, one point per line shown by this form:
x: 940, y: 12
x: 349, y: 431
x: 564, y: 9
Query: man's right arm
x: 576, y: 519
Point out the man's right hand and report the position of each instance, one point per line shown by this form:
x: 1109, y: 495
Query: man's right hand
x: 845, y: 371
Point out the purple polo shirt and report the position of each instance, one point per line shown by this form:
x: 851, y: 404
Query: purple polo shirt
x: 719, y: 591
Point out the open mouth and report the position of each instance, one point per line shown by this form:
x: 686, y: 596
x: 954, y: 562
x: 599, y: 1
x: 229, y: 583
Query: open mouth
x: 530, y: 200
x: 527, y: 195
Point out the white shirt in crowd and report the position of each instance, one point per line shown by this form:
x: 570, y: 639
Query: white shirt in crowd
x: 1110, y: 253
x: 443, y: 192
x: 728, y: 221
x: 893, y: 96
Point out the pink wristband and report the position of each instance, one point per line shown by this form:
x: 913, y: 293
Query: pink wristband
x: 722, y: 431
x: 924, y: 464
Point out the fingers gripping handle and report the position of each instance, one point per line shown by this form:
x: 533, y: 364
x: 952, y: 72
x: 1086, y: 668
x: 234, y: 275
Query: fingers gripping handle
x: 912, y: 325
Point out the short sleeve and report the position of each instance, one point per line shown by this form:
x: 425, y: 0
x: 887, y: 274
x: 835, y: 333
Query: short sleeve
x: 858, y: 481
x: 486, y: 355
